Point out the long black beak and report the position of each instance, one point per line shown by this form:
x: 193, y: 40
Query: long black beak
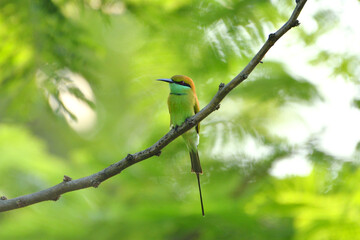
x: 165, y: 80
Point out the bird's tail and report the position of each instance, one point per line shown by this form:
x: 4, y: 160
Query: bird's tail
x: 195, y: 161
x: 196, y: 167
x: 201, y: 201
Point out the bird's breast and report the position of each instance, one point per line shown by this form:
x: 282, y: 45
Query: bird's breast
x: 181, y: 107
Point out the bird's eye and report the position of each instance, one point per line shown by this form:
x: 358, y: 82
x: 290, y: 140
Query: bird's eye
x: 183, y: 83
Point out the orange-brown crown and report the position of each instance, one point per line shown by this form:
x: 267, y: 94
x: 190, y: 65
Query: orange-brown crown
x: 185, y: 79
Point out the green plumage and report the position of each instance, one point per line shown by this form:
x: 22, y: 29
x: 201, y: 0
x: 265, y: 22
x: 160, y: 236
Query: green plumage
x: 183, y: 103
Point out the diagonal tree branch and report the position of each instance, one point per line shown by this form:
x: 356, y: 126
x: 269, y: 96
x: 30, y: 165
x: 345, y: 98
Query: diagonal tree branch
x: 94, y: 180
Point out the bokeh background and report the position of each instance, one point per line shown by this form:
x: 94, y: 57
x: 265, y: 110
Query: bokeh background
x: 78, y: 93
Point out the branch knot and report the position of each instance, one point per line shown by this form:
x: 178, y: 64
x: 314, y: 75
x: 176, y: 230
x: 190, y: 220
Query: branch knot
x: 130, y: 157
x: 20, y: 203
x: 221, y: 86
x: 3, y: 198
x: 95, y: 183
x: 295, y: 23
x: 272, y: 37
x: 67, y: 178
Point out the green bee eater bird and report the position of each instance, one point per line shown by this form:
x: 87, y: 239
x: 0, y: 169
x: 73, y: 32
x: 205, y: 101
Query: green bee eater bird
x: 183, y: 103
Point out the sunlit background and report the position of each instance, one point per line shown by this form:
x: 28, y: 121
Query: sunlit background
x: 78, y: 93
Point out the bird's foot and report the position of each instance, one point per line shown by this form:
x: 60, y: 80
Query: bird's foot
x: 190, y: 121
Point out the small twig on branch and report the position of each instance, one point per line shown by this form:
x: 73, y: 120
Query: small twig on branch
x: 94, y: 180
x: 67, y: 178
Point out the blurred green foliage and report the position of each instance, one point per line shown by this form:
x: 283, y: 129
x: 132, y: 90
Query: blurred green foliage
x: 120, y: 48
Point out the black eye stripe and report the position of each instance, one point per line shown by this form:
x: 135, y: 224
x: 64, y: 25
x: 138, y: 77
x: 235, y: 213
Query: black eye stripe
x: 183, y: 83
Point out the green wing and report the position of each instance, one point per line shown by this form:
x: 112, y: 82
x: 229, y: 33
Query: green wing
x: 197, y: 109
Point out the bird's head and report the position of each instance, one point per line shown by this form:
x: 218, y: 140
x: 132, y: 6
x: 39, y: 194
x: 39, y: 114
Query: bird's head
x: 180, y: 80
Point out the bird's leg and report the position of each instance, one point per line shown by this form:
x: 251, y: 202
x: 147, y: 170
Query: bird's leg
x: 175, y: 128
